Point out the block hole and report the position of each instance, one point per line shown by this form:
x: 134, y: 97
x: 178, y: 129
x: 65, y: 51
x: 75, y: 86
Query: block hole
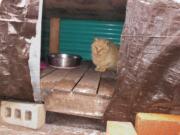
x: 28, y: 115
x: 17, y: 114
x: 8, y: 112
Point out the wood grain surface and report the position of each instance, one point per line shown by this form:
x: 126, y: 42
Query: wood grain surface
x: 86, y: 9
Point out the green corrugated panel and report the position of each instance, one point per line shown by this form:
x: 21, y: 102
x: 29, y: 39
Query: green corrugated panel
x: 76, y: 36
x: 45, y: 37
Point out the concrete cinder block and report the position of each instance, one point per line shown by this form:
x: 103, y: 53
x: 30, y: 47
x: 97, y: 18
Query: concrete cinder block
x: 120, y: 128
x: 157, y: 124
x: 29, y: 115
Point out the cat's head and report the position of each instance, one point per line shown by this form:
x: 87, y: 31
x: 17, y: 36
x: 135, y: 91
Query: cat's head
x: 100, y: 46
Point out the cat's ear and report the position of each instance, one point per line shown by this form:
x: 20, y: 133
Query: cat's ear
x: 96, y: 39
x: 107, y: 42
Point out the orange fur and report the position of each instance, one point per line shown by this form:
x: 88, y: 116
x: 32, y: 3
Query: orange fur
x: 104, y: 55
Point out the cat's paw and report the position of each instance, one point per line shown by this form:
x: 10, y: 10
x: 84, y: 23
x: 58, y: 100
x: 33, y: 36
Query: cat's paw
x: 97, y: 69
x: 100, y: 69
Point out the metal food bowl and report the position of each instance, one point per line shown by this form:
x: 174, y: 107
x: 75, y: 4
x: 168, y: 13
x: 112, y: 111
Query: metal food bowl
x: 65, y: 61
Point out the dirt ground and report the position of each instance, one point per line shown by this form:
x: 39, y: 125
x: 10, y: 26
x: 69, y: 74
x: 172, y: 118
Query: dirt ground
x: 58, y: 125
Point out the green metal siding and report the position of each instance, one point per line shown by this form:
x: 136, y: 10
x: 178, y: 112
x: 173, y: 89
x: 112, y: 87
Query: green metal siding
x: 45, y: 37
x: 76, y: 36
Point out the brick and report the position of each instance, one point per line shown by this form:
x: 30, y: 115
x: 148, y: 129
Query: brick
x: 120, y: 128
x: 157, y: 124
x: 29, y: 115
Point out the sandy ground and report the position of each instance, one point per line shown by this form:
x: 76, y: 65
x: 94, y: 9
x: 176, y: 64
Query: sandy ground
x: 46, y: 130
x: 57, y: 125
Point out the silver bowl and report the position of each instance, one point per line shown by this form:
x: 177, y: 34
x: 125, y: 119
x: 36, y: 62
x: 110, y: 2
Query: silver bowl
x: 66, y: 61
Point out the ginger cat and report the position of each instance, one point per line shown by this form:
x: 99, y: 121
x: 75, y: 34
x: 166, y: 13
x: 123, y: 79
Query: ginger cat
x: 104, y: 55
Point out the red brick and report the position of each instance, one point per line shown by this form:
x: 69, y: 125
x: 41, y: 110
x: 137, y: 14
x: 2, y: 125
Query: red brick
x: 157, y: 124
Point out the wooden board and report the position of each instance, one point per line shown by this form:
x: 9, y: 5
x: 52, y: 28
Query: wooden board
x: 49, y: 81
x: 75, y: 104
x: 47, y: 71
x: 107, y: 84
x: 72, y: 78
x: 86, y: 9
x: 89, y: 83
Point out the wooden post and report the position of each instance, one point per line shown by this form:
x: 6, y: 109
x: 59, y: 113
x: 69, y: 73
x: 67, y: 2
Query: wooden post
x: 54, y: 35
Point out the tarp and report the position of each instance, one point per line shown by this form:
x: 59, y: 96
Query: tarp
x: 149, y: 61
x: 19, y: 49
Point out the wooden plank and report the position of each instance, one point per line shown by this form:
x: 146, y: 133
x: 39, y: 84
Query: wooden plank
x: 75, y: 104
x: 107, y: 84
x: 49, y: 81
x: 89, y: 83
x: 109, y: 74
x: 47, y: 71
x: 86, y: 9
x: 72, y: 78
x: 54, y: 35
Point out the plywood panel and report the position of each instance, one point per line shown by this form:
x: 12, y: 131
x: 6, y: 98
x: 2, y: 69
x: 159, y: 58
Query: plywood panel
x: 89, y: 83
x: 72, y: 78
x: 107, y: 84
x: 76, y: 104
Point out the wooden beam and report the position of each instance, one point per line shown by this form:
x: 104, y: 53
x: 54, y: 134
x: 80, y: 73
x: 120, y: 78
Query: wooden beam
x: 86, y: 9
x: 75, y: 104
x: 54, y: 35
